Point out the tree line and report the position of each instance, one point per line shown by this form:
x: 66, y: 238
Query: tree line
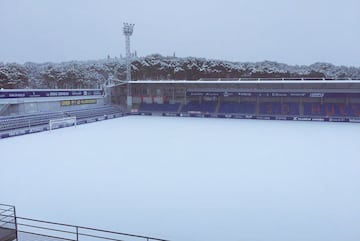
x: 94, y: 74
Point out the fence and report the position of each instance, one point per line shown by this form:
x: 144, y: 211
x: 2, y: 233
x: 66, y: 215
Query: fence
x: 29, y: 229
x: 8, y: 224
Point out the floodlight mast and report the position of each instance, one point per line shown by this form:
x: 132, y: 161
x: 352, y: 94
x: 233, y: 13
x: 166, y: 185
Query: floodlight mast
x: 128, y: 30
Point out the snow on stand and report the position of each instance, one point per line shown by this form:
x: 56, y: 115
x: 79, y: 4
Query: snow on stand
x: 32, y: 123
x: 263, y: 99
x: 333, y: 100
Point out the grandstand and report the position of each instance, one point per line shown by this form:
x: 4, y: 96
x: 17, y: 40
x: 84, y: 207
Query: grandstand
x: 31, y: 123
x: 281, y: 99
x: 29, y: 111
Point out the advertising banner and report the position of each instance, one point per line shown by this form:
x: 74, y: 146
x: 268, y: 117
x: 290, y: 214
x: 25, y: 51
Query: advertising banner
x: 273, y: 94
x: 4, y: 94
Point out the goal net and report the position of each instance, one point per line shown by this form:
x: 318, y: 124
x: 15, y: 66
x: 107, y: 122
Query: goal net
x: 62, y: 122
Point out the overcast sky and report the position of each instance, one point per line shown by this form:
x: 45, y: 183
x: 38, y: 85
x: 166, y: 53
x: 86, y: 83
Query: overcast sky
x: 288, y: 31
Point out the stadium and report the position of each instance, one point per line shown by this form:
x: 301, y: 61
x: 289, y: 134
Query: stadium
x: 157, y: 172
x: 163, y: 119
x: 275, y: 99
x: 226, y: 121
x: 30, y: 110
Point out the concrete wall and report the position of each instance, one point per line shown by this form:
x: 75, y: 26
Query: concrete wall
x: 47, y: 106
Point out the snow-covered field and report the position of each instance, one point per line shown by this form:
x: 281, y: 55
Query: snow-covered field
x: 191, y: 179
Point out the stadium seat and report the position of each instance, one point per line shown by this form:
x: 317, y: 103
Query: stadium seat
x: 204, y: 107
x: 354, y: 110
x: 172, y: 108
x: 332, y: 109
x: 274, y: 108
x: 314, y: 109
x: 228, y: 107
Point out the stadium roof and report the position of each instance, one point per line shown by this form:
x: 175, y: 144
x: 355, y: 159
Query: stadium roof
x: 261, y: 84
x: 249, y: 81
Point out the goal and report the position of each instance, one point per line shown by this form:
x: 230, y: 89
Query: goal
x: 62, y: 122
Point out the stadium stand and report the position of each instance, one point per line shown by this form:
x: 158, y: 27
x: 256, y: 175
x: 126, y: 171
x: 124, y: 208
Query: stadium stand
x: 318, y: 99
x: 354, y: 110
x: 91, y: 113
x: 273, y: 108
x: 228, y: 107
x: 172, y: 108
x: 332, y: 109
x: 24, y: 121
x: 203, y: 107
x: 39, y: 121
x: 276, y: 99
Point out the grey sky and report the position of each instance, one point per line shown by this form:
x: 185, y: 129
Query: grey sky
x: 289, y: 31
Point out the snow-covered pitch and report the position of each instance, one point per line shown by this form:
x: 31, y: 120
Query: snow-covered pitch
x: 191, y: 179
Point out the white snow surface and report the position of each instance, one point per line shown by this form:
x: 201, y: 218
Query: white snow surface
x: 191, y: 179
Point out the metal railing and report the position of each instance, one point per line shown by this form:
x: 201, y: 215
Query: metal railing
x: 69, y: 232
x: 7, y: 217
x: 29, y: 229
x: 8, y: 223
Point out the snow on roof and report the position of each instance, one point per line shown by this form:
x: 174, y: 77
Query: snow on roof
x: 249, y: 81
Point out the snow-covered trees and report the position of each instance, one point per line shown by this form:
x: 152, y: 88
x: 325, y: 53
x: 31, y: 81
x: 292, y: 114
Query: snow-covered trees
x: 92, y: 74
x: 13, y: 76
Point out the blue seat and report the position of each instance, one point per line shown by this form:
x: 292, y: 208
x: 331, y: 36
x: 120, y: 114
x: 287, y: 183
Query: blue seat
x: 204, y: 107
x: 354, y: 110
x: 275, y: 108
x: 166, y: 107
x: 228, y: 107
x: 332, y: 109
x: 314, y: 109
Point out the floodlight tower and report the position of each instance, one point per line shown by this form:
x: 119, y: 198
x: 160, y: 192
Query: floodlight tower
x: 128, y: 30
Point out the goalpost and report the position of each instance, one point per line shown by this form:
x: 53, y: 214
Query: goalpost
x: 62, y: 122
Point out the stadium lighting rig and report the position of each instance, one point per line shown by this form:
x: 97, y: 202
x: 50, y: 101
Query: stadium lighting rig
x: 128, y: 30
